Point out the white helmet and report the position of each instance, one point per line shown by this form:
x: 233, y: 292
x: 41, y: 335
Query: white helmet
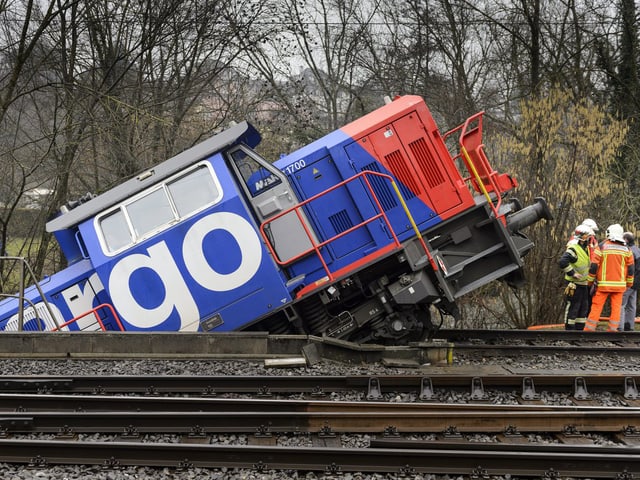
x: 582, y: 232
x: 590, y: 223
x: 615, y: 233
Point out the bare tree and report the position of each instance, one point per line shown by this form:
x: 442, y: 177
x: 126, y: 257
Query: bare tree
x: 308, y: 59
x: 111, y: 87
x: 404, y: 55
x: 23, y: 28
x: 158, y: 62
x: 25, y: 144
x: 443, y: 50
x: 619, y: 56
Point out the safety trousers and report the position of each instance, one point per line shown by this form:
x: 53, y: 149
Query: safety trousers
x: 597, y: 304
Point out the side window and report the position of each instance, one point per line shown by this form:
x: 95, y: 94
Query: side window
x: 150, y: 212
x: 115, y: 230
x: 158, y: 208
x: 194, y: 190
x: 256, y: 176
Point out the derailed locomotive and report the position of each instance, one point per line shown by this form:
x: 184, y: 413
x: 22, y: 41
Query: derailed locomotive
x: 354, y: 236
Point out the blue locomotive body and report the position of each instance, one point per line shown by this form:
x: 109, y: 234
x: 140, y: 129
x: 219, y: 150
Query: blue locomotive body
x: 353, y: 236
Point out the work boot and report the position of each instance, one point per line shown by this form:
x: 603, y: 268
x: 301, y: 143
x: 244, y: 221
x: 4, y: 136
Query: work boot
x: 579, y: 326
x: 569, y: 326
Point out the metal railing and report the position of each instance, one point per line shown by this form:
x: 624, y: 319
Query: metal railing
x: 481, y: 172
x: 24, y: 267
x: 96, y: 316
x: 317, y: 246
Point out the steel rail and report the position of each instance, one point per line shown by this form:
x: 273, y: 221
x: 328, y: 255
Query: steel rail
x: 542, y: 336
x: 395, y: 420
x: 20, y: 402
x: 317, y: 386
x: 562, y: 460
x: 404, y: 444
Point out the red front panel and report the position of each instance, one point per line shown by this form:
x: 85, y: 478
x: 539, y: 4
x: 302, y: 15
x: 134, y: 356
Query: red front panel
x: 407, y: 141
x: 406, y: 150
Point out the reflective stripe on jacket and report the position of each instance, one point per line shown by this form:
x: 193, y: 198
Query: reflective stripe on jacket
x: 612, y: 267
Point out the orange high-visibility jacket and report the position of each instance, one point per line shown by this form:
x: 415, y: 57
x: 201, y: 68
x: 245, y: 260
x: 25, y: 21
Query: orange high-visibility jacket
x: 612, y: 266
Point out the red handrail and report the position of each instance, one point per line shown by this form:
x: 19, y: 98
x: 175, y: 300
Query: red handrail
x: 315, y: 247
x: 97, y: 317
x: 478, y: 150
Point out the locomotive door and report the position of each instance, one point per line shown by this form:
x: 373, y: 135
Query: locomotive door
x: 269, y: 193
x: 404, y: 149
x: 407, y: 151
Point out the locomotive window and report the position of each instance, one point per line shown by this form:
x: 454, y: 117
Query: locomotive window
x: 193, y: 191
x: 115, y: 230
x: 255, y: 175
x: 150, y: 212
x: 158, y: 207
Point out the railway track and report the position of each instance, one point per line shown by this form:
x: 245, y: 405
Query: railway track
x: 239, y: 416
x: 423, y: 387
x: 481, y: 461
x: 396, y: 424
x: 325, y: 423
x: 441, y: 348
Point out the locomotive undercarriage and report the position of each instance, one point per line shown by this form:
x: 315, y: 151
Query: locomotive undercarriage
x: 361, y: 308
x: 369, y: 307
x: 374, y: 313
x: 364, y: 314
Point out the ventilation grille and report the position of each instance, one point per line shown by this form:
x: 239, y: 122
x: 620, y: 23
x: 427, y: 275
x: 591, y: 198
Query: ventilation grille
x: 398, y: 165
x: 426, y: 163
x: 381, y: 188
x: 340, y: 221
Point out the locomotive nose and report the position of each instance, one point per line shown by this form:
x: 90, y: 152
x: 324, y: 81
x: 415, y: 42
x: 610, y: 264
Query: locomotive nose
x: 529, y: 215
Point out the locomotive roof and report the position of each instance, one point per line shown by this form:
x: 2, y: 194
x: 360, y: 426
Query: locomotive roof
x: 242, y: 131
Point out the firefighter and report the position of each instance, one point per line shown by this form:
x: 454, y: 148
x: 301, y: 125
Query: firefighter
x: 594, y: 246
x: 575, y: 262
x: 613, y: 270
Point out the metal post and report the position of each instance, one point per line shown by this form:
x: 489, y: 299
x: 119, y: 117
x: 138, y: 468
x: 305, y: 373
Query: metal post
x: 21, y: 297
